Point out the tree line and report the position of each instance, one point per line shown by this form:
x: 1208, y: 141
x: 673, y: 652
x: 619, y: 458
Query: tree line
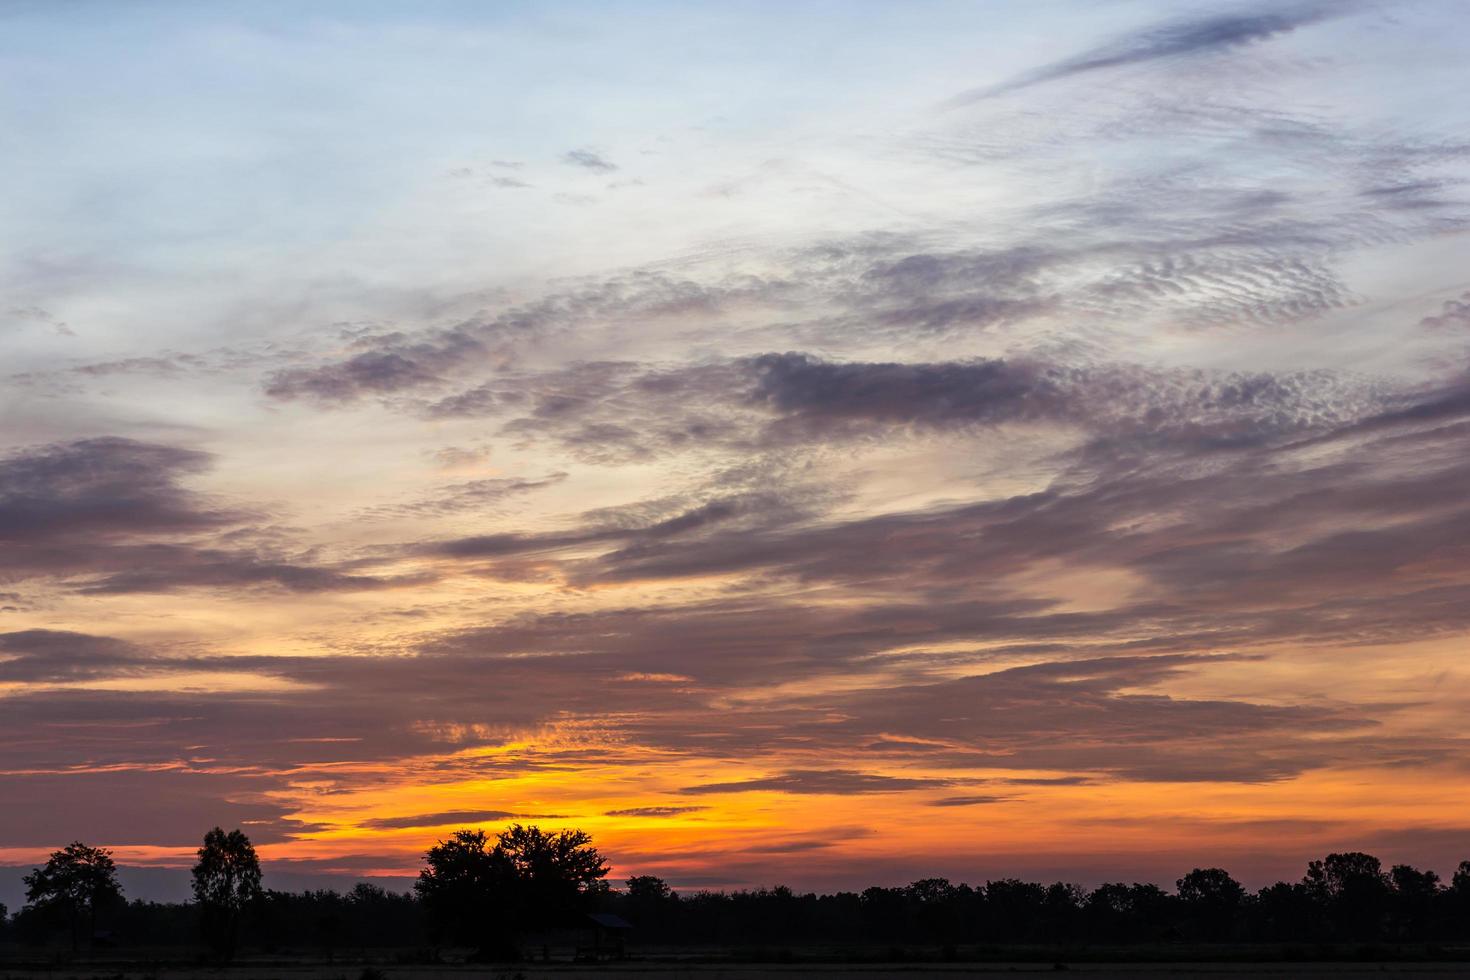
x: 494, y: 895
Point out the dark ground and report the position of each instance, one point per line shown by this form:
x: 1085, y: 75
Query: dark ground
x: 714, y: 971
x: 1119, y: 963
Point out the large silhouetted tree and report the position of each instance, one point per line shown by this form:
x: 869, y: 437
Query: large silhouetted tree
x: 74, y: 883
x: 555, y: 874
x: 226, y: 884
x: 1354, y: 890
x: 466, y: 887
x: 487, y: 895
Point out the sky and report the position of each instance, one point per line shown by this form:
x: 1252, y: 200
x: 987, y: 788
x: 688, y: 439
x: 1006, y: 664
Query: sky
x: 822, y: 443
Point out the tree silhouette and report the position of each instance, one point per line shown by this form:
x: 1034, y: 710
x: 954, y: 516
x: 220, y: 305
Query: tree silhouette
x: 486, y: 895
x: 74, y: 882
x: 226, y: 884
x: 649, y: 889
x: 1213, y: 899
x: 466, y: 889
x: 651, y: 902
x: 1353, y: 889
x: 1415, y: 894
x: 1460, y: 882
x: 555, y: 873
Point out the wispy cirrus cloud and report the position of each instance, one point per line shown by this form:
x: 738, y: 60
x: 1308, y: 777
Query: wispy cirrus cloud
x: 1177, y: 39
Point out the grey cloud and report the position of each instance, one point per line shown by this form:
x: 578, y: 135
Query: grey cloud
x: 372, y: 372
x: 166, y: 568
x: 103, y: 487
x: 655, y: 811
x: 470, y: 495
x: 970, y: 800
x: 589, y: 160
x: 1225, y: 259
x: 1022, y: 717
x: 398, y: 363
x: 165, y: 365
x: 602, y: 529
x: 115, y: 515
x: 35, y: 314
x: 35, y: 656
x: 617, y: 413
x: 1179, y: 39
x: 1047, y: 781
x: 835, y: 782
x: 810, y: 395
x: 1453, y: 313
x: 145, y: 806
x: 444, y: 819
x: 1254, y: 496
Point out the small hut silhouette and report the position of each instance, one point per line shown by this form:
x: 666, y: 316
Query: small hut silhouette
x: 585, y: 937
x: 609, y: 934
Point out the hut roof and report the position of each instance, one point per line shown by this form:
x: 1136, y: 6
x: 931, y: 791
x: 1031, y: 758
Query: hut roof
x: 609, y: 921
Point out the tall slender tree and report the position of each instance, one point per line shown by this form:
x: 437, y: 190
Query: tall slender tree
x: 226, y: 884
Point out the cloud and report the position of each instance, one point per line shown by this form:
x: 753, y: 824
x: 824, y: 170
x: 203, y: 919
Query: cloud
x: 396, y: 363
x: 655, y: 811
x: 470, y: 495
x: 152, y: 806
x: 395, y: 367
x: 103, y: 487
x: 445, y: 819
x: 824, y: 782
x: 947, y: 801
x: 616, y: 413
x: 34, y: 314
x: 1179, y: 39
x: 1036, y: 715
x: 53, y: 655
x: 589, y: 160
x: 114, y: 516
x: 1453, y: 313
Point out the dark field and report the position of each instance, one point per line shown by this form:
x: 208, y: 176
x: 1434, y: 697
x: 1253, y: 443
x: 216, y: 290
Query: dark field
x: 826, y: 962
x: 751, y: 971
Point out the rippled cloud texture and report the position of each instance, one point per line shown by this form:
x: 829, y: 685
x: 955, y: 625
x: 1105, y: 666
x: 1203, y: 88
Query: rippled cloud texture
x: 826, y: 443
